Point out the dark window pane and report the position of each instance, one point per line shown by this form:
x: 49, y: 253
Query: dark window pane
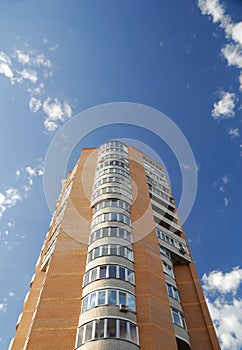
x: 104, y: 250
x: 105, y: 232
x: 130, y: 277
x: 122, y: 273
x: 169, y: 288
x: 131, y: 302
x: 80, y: 336
x: 123, y: 329
x: 112, y: 271
x: 113, y: 216
x: 98, y: 234
x: 99, y: 331
x: 101, y: 298
x: 94, y: 274
x: 112, y: 297
x: 86, y: 279
x: 113, y: 231
x: 121, y: 232
x: 113, y: 250
x: 133, y: 336
x: 176, y: 318
x: 122, y: 298
x: 103, y: 270
x: 111, y: 328
x: 88, y: 331
x: 121, y: 251
x: 84, y: 304
x: 92, y: 300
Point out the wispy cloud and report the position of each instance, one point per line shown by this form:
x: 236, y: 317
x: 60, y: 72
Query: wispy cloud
x: 30, y: 58
x: 225, y: 179
x: 234, y: 132
x: 5, y: 65
x: 216, y: 11
x: 8, y: 199
x: 31, y: 70
x: 11, y: 196
x: 226, y: 202
x: 56, y: 112
x: 3, y: 307
x: 240, y: 81
x: 34, y: 104
x: 224, y: 108
x: 232, y: 51
x: 26, y: 74
x: 221, y: 291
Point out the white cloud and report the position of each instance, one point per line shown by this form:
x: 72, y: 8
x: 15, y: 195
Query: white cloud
x: 38, y: 90
x: 32, y: 59
x: 221, y: 189
x: 11, y: 294
x: 221, y: 291
x: 224, y: 108
x: 234, y: 132
x: 225, y: 179
x: 5, y: 65
x: 12, y: 196
x: 34, y: 104
x: 233, y: 54
x: 228, y: 282
x: 56, y: 112
x: 27, y: 74
x: 22, y: 57
x: 35, y: 67
x: 226, y: 202
x: 3, y: 307
x: 240, y: 81
x: 54, y: 47
x: 236, y: 32
x: 212, y: 8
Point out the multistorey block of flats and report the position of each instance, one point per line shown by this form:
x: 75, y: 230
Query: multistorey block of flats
x: 115, y: 271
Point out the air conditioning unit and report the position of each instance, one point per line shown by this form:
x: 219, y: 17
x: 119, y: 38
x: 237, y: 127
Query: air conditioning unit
x: 182, y: 250
x: 123, y: 308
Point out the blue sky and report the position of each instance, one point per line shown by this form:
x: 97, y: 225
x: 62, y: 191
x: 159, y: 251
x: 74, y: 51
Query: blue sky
x: 183, y: 58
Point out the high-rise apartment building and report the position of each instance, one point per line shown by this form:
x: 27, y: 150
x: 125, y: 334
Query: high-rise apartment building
x: 115, y: 271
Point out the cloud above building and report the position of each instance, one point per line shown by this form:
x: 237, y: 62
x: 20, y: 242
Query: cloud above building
x: 32, y: 70
x: 224, y: 108
x: 221, y: 290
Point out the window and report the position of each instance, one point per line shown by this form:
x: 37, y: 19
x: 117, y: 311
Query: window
x: 172, y: 291
x: 133, y: 335
x: 111, y: 203
x: 178, y: 318
x: 103, y: 270
x: 113, y: 216
x: 108, y: 297
x: 112, y: 300
x: 165, y: 252
x: 110, y: 231
x: 92, y: 300
x: 88, y: 333
x: 101, y: 297
x: 168, y: 269
x: 111, y: 249
x: 111, y: 328
x: 123, y: 329
x: 99, y: 331
x: 107, y: 328
x: 112, y: 271
x: 121, y: 273
x: 109, y: 271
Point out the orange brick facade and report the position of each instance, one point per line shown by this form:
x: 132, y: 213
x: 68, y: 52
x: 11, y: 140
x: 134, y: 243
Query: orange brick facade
x: 52, y: 308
